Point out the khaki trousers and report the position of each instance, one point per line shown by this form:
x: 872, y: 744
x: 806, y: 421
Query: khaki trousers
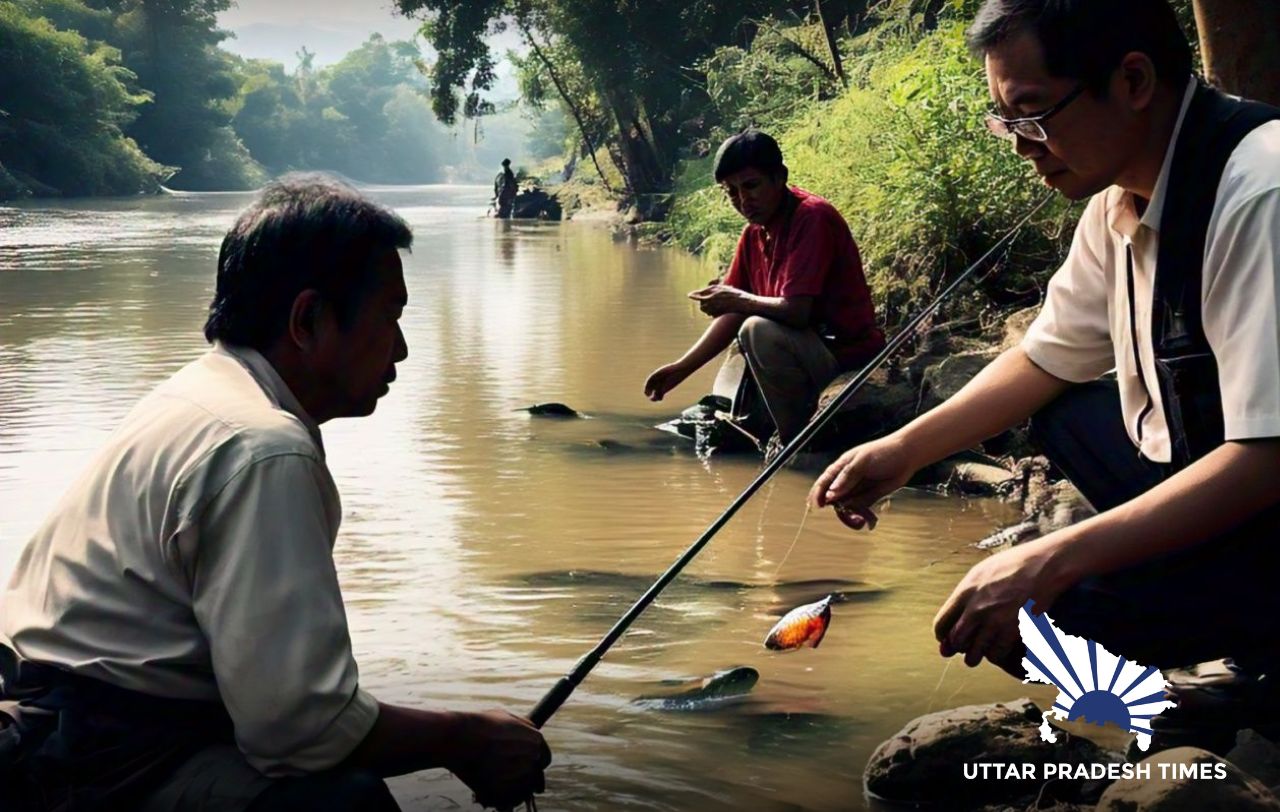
x: 791, y: 367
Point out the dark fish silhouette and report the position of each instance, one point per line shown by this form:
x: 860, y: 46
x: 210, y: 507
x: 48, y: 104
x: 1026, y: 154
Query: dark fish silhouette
x: 711, y: 692
x: 549, y: 410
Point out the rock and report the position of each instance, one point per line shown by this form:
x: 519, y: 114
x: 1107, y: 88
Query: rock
x: 884, y: 404
x: 924, y: 763
x: 1015, y: 327
x: 535, y: 203
x: 1256, y: 755
x: 1237, y: 791
x: 944, y: 379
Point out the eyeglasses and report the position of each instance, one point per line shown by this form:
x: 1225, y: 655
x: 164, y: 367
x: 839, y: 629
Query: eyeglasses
x: 1030, y: 127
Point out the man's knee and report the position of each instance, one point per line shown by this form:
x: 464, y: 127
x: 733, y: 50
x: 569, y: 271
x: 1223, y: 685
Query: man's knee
x: 757, y: 332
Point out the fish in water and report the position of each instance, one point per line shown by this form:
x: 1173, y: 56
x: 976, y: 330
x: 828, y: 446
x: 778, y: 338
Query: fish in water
x: 804, y: 625
x: 550, y: 410
x: 714, y: 691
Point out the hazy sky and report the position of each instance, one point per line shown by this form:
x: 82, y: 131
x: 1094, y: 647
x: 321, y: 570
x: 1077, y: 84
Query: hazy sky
x: 373, y: 14
x: 278, y: 29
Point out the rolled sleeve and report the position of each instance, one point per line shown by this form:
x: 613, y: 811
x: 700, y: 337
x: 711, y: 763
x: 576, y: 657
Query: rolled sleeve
x: 1241, y: 303
x: 266, y: 595
x: 1071, y: 337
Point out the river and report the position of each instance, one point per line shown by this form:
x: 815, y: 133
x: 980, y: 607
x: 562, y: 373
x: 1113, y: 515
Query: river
x: 483, y: 551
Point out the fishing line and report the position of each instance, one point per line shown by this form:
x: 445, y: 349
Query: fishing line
x: 807, y: 509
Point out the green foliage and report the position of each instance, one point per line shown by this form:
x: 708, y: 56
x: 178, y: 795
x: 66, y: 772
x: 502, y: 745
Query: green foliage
x: 626, y: 67
x: 905, y: 157
x: 65, y: 103
x: 767, y: 84
x: 364, y: 117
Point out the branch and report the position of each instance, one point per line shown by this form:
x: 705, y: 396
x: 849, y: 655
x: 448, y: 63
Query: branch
x: 564, y: 96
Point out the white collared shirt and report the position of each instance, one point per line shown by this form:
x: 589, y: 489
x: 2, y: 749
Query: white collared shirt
x: 194, y: 560
x: 1084, y: 330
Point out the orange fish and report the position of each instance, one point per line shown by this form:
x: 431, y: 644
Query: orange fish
x: 804, y: 625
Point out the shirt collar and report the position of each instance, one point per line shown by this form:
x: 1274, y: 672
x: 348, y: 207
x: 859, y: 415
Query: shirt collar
x: 1123, y: 214
x: 272, y: 385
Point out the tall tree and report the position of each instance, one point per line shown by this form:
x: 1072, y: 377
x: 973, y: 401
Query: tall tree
x: 1240, y: 45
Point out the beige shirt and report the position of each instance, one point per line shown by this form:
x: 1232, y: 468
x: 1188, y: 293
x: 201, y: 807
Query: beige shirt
x: 1083, y: 330
x: 194, y: 559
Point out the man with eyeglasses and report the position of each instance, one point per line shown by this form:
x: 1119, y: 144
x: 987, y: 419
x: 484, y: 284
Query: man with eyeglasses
x: 794, y: 298
x: 1173, y: 281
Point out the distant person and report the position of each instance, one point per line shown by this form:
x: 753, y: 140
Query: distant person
x: 174, y: 637
x: 505, y: 188
x: 794, y: 298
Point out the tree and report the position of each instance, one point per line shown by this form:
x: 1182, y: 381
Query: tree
x: 636, y: 59
x: 65, y: 102
x: 1240, y: 46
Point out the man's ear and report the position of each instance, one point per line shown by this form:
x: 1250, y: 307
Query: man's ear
x: 1138, y: 80
x: 782, y: 175
x: 304, y: 318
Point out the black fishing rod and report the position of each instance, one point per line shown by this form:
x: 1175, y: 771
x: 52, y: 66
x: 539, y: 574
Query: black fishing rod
x: 565, y: 687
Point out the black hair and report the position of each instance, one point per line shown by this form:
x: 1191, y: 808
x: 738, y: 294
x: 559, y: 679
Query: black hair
x: 304, y: 231
x: 1086, y: 39
x: 751, y: 149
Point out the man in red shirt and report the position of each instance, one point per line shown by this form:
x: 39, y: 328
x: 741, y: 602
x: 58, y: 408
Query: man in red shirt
x: 795, y: 296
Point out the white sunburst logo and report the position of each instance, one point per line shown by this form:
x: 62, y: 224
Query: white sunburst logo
x: 1094, y: 685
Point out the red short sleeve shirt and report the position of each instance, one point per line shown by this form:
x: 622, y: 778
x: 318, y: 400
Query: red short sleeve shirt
x: 813, y: 255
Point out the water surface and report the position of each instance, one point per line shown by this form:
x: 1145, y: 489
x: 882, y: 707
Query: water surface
x: 484, y: 551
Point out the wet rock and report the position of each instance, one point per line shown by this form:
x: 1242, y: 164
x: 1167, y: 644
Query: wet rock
x: 1258, y: 756
x: 535, y: 203
x: 1015, y: 327
x: 885, y: 403
x: 925, y: 762
x: 945, y: 378
x: 1238, y: 791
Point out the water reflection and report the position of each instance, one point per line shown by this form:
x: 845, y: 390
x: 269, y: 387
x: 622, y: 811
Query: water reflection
x: 483, y: 550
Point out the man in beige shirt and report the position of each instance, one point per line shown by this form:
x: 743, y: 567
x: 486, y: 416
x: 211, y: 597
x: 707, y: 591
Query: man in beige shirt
x: 173, y: 636
x: 1173, y: 281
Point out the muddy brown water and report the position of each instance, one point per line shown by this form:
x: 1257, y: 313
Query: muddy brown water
x: 483, y: 551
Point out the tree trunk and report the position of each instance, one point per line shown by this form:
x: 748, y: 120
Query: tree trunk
x: 644, y: 168
x: 1240, y: 43
x: 568, y: 101
x: 832, y: 48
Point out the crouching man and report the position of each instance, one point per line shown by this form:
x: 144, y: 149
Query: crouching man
x: 174, y: 637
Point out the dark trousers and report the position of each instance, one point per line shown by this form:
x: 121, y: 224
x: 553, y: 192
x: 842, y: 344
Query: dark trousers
x: 1217, y: 599
x: 333, y: 791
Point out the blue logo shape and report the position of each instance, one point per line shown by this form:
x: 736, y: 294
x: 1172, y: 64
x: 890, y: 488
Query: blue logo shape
x: 1094, y: 685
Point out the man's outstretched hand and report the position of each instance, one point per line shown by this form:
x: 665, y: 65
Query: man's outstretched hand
x: 663, y: 379
x: 861, y: 477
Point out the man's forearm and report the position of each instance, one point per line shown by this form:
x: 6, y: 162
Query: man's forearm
x: 791, y: 312
x: 714, y: 340
x: 405, y: 740
x: 1007, y: 392
x: 1221, y: 490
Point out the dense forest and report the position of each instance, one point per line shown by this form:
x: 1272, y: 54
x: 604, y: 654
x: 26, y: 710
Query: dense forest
x: 121, y: 96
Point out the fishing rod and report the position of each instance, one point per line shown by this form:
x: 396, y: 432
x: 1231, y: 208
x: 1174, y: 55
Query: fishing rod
x: 566, y: 685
